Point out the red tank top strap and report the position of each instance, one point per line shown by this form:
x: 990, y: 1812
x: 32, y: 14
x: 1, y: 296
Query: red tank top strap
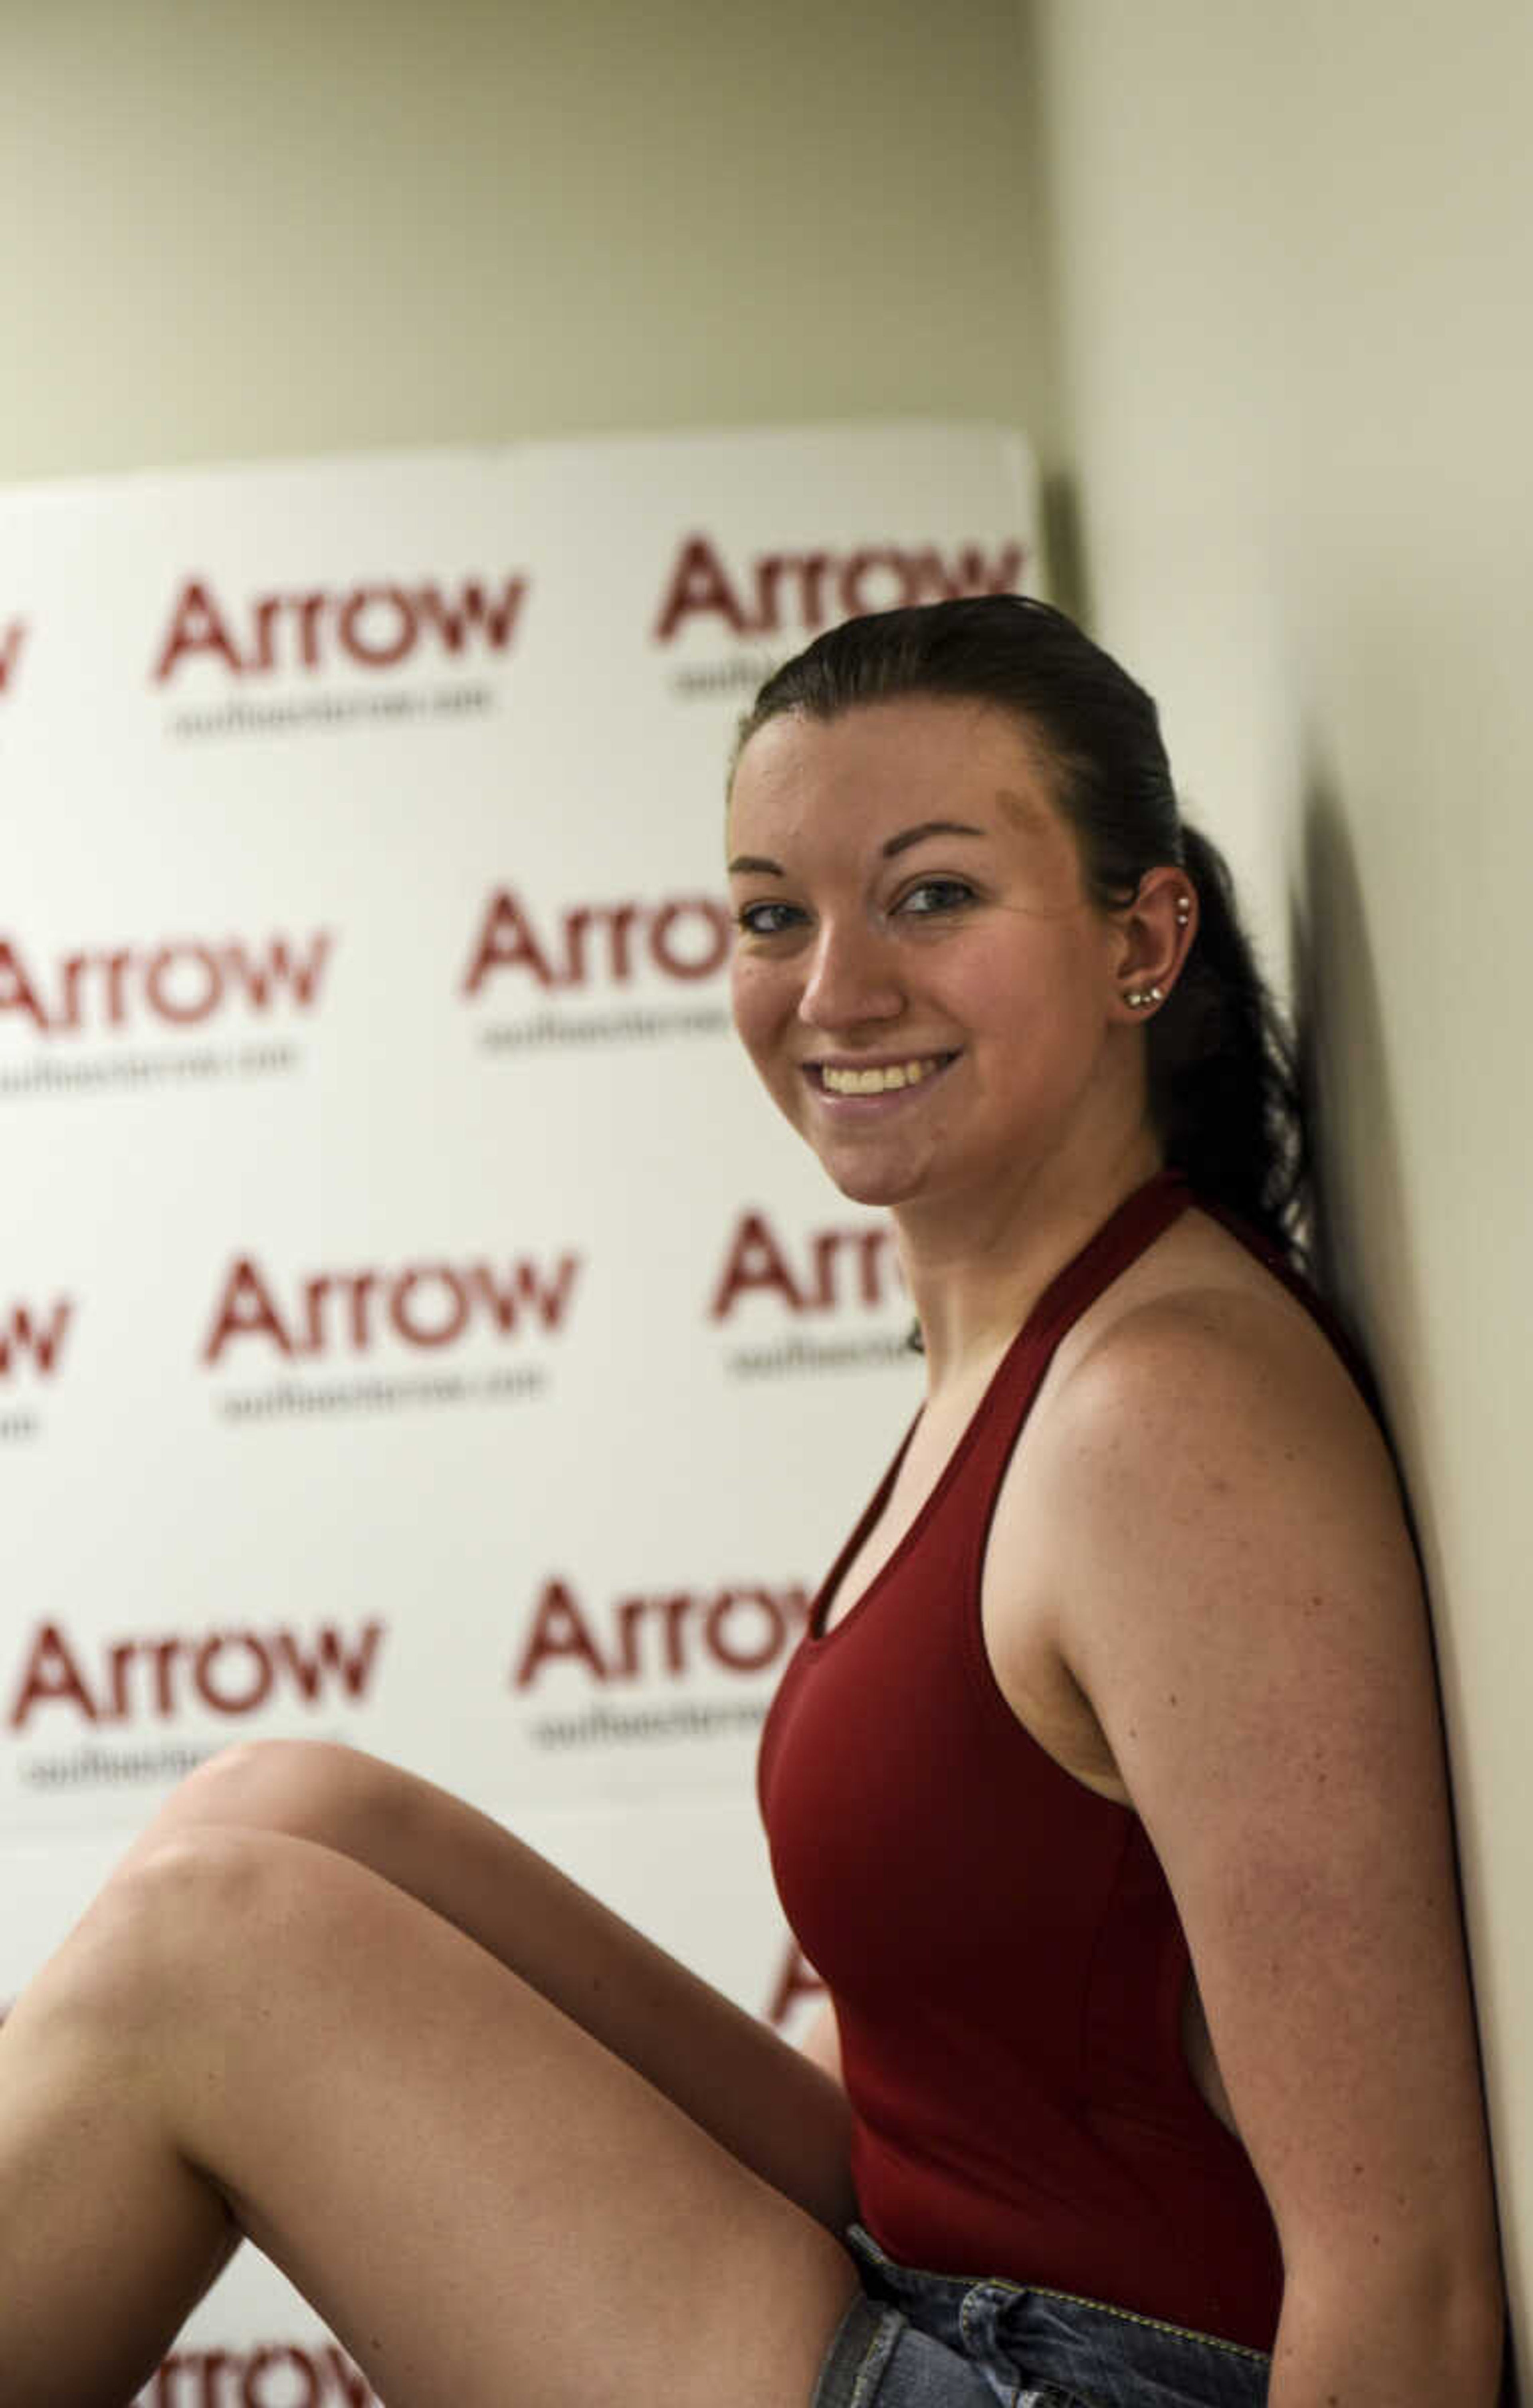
x: 1137, y: 1222
x: 1126, y: 1235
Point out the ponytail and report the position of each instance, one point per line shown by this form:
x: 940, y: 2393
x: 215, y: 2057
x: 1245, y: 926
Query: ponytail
x: 1224, y: 1087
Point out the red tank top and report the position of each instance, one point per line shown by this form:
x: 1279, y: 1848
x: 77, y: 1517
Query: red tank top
x: 1004, y: 1955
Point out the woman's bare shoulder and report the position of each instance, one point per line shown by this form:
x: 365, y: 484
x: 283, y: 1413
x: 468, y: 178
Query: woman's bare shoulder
x: 1198, y: 1344
x: 1204, y: 1461
x: 1199, y: 1459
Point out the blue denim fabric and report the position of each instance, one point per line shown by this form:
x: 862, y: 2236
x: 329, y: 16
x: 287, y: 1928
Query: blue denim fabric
x: 938, y: 2340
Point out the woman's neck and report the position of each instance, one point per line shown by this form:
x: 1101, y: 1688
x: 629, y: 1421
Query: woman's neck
x: 976, y: 1270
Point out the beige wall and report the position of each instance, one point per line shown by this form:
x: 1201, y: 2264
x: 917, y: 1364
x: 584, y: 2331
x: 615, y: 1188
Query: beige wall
x: 1292, y: 250
x: 325, y: 224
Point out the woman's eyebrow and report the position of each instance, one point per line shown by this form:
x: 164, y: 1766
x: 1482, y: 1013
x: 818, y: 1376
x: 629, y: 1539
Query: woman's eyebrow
x: 907, y: 836
x: 748, y: 864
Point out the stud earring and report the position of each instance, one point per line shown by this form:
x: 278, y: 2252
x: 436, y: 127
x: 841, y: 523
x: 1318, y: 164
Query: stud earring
x: 1138, y: 996
x: 1183, y: 909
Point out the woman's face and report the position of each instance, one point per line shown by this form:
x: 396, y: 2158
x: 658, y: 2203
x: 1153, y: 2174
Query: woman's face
x: 919, y: 974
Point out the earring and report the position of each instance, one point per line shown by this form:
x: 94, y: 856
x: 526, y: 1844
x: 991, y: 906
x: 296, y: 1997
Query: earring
x: 1140, y: 995
x: 1183, y: 909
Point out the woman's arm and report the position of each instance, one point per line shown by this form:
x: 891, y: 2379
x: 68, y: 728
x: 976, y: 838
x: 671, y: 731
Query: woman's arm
x: 1237, y: 1597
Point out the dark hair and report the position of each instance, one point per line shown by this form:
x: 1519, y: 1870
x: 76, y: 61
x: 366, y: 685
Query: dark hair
x: 1224, y: 1095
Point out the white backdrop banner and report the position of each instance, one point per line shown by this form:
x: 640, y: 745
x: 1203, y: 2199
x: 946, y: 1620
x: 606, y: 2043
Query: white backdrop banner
x: 415, y: 1329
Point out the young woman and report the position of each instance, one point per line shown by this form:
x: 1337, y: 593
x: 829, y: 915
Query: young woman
x: 1106, y: 1790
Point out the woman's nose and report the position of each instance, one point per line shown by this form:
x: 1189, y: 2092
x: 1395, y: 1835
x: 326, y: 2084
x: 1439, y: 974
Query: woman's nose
x: 850, y: 979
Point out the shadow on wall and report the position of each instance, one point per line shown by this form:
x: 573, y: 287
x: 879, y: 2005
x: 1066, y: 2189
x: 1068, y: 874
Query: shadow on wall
x: 1363, y: 1250
x: 1364, y: 1257
x: 1365, y: 1254
x: 1064, y: 546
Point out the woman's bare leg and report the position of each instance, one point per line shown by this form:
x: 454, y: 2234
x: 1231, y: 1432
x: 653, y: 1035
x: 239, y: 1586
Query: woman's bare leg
x: 486, y: 2204
x: 769, y: 2107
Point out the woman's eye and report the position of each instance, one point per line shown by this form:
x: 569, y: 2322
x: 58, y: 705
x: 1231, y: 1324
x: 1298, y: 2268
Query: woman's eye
x: 765, y: 918
x: 936, y: 895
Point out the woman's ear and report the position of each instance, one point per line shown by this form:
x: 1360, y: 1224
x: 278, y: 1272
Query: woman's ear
x: 1156, y: 932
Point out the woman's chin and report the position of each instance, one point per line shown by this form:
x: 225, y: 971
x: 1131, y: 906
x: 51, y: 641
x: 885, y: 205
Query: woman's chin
x: 863, y: 1180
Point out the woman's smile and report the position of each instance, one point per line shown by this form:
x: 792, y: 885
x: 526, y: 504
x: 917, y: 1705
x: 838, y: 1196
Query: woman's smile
x: 844, y: 1084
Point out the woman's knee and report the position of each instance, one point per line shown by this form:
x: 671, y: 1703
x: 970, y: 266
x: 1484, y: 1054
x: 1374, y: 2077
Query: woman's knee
x: 309, y: 1789
x: 175, y: 1916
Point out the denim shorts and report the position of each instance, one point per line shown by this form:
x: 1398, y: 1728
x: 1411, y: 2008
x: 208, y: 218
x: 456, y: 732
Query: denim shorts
x: 938, y: 2340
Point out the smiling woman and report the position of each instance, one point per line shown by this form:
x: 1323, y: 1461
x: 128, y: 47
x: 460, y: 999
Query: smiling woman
x: 1104, y: 1787
x: 1124, y: 1667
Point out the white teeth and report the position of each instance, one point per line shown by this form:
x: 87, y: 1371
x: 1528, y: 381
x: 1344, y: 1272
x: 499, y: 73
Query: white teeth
x: 877, y: 1083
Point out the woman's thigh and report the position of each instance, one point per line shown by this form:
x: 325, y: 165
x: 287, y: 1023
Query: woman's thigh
x: 484, y: 2203
x: 769, y: 2107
